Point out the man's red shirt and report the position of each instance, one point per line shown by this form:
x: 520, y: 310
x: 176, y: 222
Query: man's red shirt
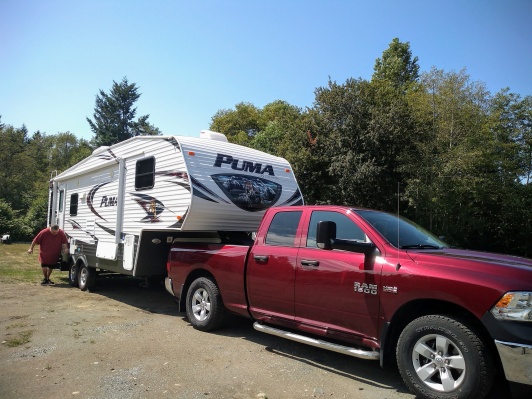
x: 50, y: 245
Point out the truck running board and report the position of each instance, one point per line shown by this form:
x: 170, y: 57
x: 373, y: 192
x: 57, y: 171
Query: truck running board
x: 346, y: 350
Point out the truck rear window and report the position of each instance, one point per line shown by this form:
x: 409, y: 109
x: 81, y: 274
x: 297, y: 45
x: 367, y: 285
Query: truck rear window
x: 283, y: 228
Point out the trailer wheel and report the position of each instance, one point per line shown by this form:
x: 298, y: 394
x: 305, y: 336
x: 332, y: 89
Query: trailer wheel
x: 205, y: 309
x: 441, y: 358
x: 86, y: 278
x: 73, y: 275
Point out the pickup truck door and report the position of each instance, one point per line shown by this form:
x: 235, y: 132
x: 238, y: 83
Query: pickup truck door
x: 334, y: 291
x: 271, y: 270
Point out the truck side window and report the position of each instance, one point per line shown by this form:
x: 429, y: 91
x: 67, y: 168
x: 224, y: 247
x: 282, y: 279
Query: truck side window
x: 345, y: 228
x: 283, y: 228
x: 74, y: 204
x: 145, y: 173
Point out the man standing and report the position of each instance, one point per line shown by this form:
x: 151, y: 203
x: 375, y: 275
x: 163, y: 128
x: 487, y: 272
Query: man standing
x: 50, y: 240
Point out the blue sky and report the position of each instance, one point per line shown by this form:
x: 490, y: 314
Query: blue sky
x: 193, y: 58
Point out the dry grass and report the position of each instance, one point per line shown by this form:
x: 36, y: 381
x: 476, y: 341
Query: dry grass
x: 22, y: 338
x: 17, y: 266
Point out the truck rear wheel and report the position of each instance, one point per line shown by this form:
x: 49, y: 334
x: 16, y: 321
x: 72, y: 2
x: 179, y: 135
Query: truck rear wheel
x: 86, y: 278
x: 205, y: 309
x: 441, y: 358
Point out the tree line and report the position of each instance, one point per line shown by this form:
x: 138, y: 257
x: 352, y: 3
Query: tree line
x: 433, y: 146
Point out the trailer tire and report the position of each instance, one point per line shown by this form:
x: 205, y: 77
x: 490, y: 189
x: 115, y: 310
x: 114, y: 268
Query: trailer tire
x: 86, y: 278
x: 73, y: 275
x: 441, y: 357
x: 204, y: 306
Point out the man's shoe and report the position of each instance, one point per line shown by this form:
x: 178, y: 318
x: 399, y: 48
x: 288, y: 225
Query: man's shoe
x: 51, y: 282
x: 44, y: 282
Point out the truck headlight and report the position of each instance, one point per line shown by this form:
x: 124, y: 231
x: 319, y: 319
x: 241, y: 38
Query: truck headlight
x: 515, y: 306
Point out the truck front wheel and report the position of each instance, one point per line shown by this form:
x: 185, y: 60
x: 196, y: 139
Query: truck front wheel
x: 441, y: 358
x: 205, y: 309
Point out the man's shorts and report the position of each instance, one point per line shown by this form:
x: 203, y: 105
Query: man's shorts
x: 50, y: 266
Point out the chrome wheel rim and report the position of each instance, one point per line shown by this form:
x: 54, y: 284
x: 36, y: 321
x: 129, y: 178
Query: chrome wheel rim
x: 201, y: 304
x: 439, y: 363
x: 83, y: 276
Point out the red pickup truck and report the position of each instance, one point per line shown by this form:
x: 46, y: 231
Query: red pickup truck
x: 371, y: 285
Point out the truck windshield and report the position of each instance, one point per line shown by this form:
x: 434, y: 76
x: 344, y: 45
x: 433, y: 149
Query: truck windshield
x: 400, y: 232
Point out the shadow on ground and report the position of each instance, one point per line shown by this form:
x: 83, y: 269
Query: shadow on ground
x: 154, y: 298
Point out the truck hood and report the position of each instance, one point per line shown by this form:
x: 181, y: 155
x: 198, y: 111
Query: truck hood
x: 460, y: 256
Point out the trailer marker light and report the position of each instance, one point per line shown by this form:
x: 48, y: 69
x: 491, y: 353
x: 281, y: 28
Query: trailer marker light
x: 287, y: 170
x: 191, y: 153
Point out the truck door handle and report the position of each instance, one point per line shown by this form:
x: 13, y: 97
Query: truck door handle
x: 314, y: 263
x: 260, y: 258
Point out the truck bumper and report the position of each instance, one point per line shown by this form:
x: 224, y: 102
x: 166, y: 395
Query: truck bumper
x: 169, y: 286
x: 516, y: 361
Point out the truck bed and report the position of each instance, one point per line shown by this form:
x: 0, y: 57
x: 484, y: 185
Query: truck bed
x: 222, y: 255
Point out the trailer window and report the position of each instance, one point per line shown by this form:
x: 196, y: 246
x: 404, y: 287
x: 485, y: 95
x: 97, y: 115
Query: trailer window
x: 145, y: 174
x: 283, y: 229
x: 74, y: 204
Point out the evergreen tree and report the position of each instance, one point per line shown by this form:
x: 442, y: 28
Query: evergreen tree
x: 397, y: 65
x: 114, y: 115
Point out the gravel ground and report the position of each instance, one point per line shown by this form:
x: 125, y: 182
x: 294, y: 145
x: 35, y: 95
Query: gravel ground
x: 126, y: 341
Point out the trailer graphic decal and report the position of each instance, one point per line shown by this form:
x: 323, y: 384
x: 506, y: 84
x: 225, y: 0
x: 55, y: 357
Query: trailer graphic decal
x: 180, y: 222
x: 249, y: 193
x: 76, y: 226
x: 151, y: 205
x: 297, y: 197
x: 246, y: 166
x: 197, y: 185
x: 174, y: 142
x: 110, y: 231
x: 107, y: 157
x: 90, y: 198
x: 173, y: 173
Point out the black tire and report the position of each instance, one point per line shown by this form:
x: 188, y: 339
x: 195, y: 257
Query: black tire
x: 204, y: 306
x: 440, y: 357
x: 86, y: 278
x: 73, y: 275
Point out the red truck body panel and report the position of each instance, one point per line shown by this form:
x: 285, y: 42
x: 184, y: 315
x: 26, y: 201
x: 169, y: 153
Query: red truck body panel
x: 343, y: 296
x: 285, y: 279
x: 226, y: 262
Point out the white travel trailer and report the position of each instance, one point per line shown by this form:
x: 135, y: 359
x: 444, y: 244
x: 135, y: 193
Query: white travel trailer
x: 123, y: 206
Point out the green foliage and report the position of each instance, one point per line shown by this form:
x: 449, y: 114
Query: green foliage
x: 114, y: 115
x: 397, y: 67
x: 239, y: 125
x: 460, y: 157
x: 26, y: 166
x: 6, y: 217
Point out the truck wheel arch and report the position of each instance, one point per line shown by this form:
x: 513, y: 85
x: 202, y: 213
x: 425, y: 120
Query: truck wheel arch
x: 195, y: 274
x: 412, y: 310
x: 204, y: 305
x: 440, y: 356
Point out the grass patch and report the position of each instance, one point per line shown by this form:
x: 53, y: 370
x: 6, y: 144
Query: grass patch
x: 17, y: 325
x: 17, y: 266
x: 22, y: 338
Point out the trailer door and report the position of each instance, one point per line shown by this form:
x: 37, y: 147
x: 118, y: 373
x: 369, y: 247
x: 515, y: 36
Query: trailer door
x: 60, y: 206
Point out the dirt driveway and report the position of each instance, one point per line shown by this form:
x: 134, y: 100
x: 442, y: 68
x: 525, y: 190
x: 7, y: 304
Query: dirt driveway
x: 126, y: 341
